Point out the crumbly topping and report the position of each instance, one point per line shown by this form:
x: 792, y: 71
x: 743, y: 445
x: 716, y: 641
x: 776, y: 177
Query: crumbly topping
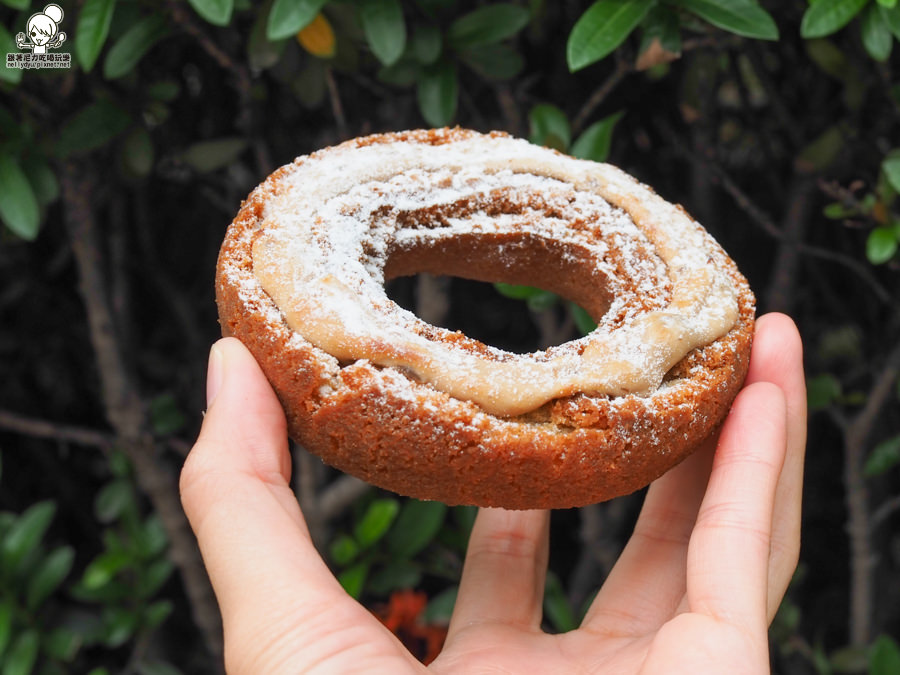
x: 340, y: 214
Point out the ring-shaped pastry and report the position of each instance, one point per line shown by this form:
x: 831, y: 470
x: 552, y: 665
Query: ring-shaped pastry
x: 423, y: 411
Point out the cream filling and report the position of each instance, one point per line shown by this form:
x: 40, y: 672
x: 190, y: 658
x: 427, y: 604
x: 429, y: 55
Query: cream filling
x: 327, y: 233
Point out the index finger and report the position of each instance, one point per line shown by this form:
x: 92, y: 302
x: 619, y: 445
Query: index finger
x: 728, y: 556
x: 778, y: 358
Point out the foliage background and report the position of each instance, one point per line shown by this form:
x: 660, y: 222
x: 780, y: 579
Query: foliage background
x: 776, y: 124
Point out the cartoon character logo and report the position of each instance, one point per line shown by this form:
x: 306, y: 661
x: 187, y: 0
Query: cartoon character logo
x: 43, y: 29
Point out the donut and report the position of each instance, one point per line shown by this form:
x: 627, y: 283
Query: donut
x: 434, y: 414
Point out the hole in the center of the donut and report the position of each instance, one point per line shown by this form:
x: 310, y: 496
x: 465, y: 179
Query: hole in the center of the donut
x: 516, y: 319
x: 466, y: 299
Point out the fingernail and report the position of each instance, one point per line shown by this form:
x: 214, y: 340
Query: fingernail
x: 214, y: 374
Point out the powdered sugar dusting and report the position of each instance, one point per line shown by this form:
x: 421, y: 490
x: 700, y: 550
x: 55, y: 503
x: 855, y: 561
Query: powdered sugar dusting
x: 341, y: 213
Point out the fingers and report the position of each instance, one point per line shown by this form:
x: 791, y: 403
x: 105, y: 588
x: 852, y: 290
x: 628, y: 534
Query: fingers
x: 778, y: 358
x: 728, y: 556
x: 235, y: 492
x: 504, y: 572
x: 646, y: 584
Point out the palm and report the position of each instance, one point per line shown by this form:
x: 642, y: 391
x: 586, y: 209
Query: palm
x: 693, y: 591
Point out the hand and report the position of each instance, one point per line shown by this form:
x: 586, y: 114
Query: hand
x: 693, y: 591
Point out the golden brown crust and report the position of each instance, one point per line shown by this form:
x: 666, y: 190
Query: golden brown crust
x: 380, y: 425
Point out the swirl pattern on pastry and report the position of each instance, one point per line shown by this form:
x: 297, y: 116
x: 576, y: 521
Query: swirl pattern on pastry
x: 434, y: 414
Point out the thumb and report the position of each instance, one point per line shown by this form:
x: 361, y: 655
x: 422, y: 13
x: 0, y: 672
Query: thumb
x: 236, y: 494
x: 281, y: 606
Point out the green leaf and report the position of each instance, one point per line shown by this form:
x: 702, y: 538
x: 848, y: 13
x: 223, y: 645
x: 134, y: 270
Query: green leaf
x: 822, y: 390
x: 385, y: 29
x: 43, y: 180
x: 17, y: 4
x: 216, y: 12
x: 427, y: 44
x: 437, y: 92
x: 22, y: 654
x: 838, y: 211
x: 884, y: 457
x: 262, y: 52
x: 92, y: 30
x: 343, y: 550
x: 157, y: 612
x: 595, y: 141
x: 288, y: 17
x: 151, y: 538
x: 891, y: 168
x: 153, y: 577
x: 440, y: 607
x: 137, y: 153
x: 26, y: 533
x: 556, y: 605
x: 402, y: 74
x: 487, y: 25
x: 375, y: 521
x: 516, y: 292
x: 494, y: 61
x: 62, y: 644
x: 662, y: 24
x: 891, y: 17
x: 583, y: 320
x: 829, y: 16
x: 416, y: 526
x: 91, y: 127
x: 888, y: 3
x: 602, y: 28
x: 113, y: 499
x: 101, y: 570
x: 163, y: 90
x: 157, y: 668
x: 19, y: 209
x: 119, y: 625
x: 542, y: 301
x: 8, y: 46
x: 884, y: 658
x: 48, y: 575
x: 824, y: 150
x: 549, y: 126
x: 395, y: 576
x: 875, y: 33
x: 129, y: 49
x: 881, y: 245
x: 741, y: 17
x: 353, y: 579
x: 119, y: 465
x: 6, y: 624
x: 209, y: 156
x: 166, y: 417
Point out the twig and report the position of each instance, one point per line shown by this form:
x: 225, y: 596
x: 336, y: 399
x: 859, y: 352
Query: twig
x: 786, y: 121
x: 780, y: 295
x: 885, y: 511
x: 307, y: 487
x: 596, y: 99
x: 182, y: 16
x: 339, y: 495
x: 625, y: 66
x: 38, y: 428
x: 859, y: 520
x: 432, y: 298
x: 767, y: 224
x: 337, y: 108
x: 123, y: 405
